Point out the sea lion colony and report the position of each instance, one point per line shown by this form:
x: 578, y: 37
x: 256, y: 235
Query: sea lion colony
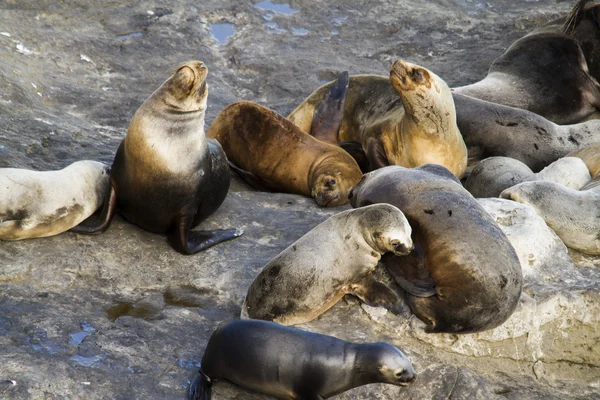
x: 448, y: 260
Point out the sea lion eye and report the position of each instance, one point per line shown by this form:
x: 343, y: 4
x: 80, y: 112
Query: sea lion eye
x: 417, y: 75
x: 331, y: 182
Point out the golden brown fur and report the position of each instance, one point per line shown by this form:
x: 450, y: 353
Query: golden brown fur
x: 273, y: 149
x: 590, y: 156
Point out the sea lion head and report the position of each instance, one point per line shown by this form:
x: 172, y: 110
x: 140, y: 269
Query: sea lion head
x: 332, y: 179
x: 392, y: 366
x: 583, y: 24
x: 386, y: 229
x: 426, y: 98
x: 186, y: 90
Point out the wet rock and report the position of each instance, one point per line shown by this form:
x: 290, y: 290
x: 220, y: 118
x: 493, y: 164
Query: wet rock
x: 73, y: 72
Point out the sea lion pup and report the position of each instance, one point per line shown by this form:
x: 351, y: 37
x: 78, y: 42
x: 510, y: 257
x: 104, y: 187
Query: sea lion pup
x: 273, y: 154
x: 335, y: 258
x: 572, y: 214
x: 475, y: 269
x: 490, y: 129
x: 409, y: 123
x: 545, y: 73
x: 290, y: 363
x: 45, y: 203
x: 166, y: 175
x: 491, y: 176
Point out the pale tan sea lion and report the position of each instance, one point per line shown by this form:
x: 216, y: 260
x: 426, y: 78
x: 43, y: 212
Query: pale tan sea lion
x: 46, y: 203
x: 274, y: 154
x: 407, y: 119
x: 335, y: 258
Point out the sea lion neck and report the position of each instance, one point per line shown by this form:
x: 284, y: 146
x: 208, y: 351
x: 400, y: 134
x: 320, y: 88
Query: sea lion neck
x: 429, y: 115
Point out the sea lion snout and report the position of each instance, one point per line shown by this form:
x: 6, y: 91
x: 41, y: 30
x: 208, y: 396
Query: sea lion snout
x: 402, y: 249
x: 407, y: 377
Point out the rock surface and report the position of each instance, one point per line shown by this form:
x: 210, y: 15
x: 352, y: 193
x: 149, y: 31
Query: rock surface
x: 123, y: 316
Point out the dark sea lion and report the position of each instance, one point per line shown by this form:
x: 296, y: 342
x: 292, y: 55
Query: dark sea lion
x: 274, y: 154
x: 492, y: 175
x: 476, y: 272
x: 545, y: 73
x: 490, y: 129
x: 335, y: 258
x: 291, y: 364
x: 572, y: 214
x: 45, y: 203
x: 405, y: 119
x: 167, y: 176
x: 328, y: 116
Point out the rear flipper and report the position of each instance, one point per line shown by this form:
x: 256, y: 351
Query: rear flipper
x: 409, y: 272
x: 250, y: 178
x: 328, y: 116
x: 200, y: 389
x: 190, y: 242
x: 357, y: 152
x: 374, y: 291
x: 99, y: 222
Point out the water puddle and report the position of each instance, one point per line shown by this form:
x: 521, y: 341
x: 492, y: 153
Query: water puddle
x: 122, y: 309
x: 281, y: 8
x: 300, y: 31
x: 77, y: 338
x: 130, y: 35
x: 87, y: 361
x: 222, y: 32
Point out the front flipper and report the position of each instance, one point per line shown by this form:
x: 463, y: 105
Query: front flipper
x: 376, y: 155
x: 99, y: 223
x: 250, y: 178
x: 409, y: 272
x: 375, y: 293
x: 328, y: 116
x: 357, y: 152
x: 189, y: 242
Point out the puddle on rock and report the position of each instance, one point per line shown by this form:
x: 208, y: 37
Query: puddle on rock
x: 130, y: 35
x: 77, y: 338
x: 87, y: 361
x: 121, y: 309
x: 281, y: 8
x: 300, y: 31
x: 222, y: 32
x: 187, y: 296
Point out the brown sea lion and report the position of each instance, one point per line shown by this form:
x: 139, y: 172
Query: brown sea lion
x: 407, y: 119
x: 45, y: 203
x: 590, y: 156
x: 543, y: 72
x: 273, y: 152
x: 475, y: 270
x: 167, y: 176
x: 335, y: 258
x: 292, y: 364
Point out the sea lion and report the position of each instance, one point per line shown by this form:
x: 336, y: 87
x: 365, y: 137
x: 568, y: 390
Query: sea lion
x: 167, y: 176
x: 335, y: 258
x: 490, y: 129
x: 475, y: 270
x: 545, y: 73
x: 45, y: 203
x: 289, y: 363
x: 274, y: 154
x: 407, y: 119
x: 572, y: 214
x: 491, y: 176
x: 590, y: 156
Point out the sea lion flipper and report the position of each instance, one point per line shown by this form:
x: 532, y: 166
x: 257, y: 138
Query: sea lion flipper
x: 250, y: 178
x: 98, y: 223
x: 190, y: 242
x: 376, y: 155
x: 328, y: 116
x: 200, y: 389
x: 376, y: 294
x: 409, y: 272
x: 357, y: 152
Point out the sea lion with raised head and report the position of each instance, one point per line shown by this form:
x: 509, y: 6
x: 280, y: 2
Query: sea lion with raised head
x: 289, y: 363
x: 475, y: 271
x: 335, y: 258
x: 272, y: 153
x: 45, y: 203
x: 167, y: 176
x: 405, y: 119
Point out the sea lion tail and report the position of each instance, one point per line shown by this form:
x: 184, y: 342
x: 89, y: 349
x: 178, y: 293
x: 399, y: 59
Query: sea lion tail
x: 200, y: 389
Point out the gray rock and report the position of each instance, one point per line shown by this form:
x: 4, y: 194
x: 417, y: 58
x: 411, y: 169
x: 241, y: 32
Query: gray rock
x: 122, y: 316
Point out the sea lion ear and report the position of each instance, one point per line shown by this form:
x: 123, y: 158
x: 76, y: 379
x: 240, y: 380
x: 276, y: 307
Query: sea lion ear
x: 184, y: 77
